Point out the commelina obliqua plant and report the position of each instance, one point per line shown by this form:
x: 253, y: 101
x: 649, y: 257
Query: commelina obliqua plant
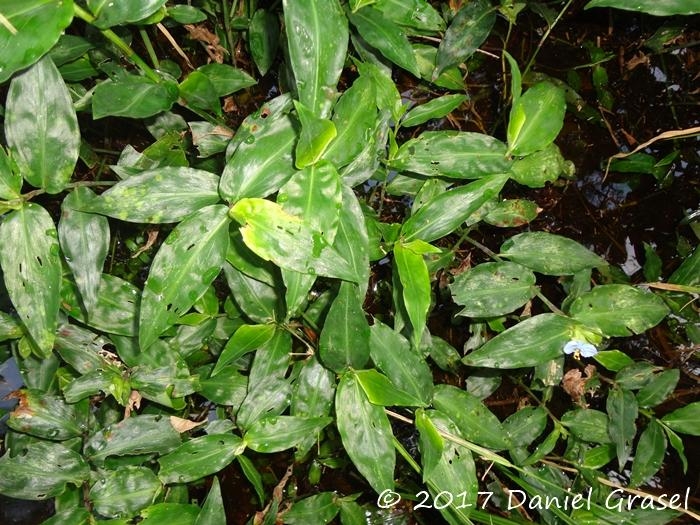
x: 250, y: 335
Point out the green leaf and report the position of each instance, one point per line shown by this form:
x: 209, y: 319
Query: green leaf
x: 380, y: 391
x: 198, y: 91
x: 125, y: 492
x: 277, y: 433
x: 263, y: 39
x: 246, y: 339
x: 451, y: 78
x: 651, y: 7
x: 525, y: 426
x: 658, y: 389
x: 622, y: 409
x: 268, y: 397
x: 415, y: 285
x: 549, y: 254
x: 613, y: 360
x: 132, y: 96
x: 287, y: 240
x: 32, y: 271
x: 587, y: 425
x: 43, y: 415
x: 688, y: 273
x: 314, y: 194
x: 387, y: 37
x: 110, y: 14
x: 229, y: 387
x: 635, y: 375
x: 10, y: 328
x: 262, y: 162
x: 541, y: 167
x: 649, y: 454
x: 84, y: 240
x: 435, y: 108
x: 186, y: 14
x: 199, y: 457
x: 528, y: 343
x: 355, y: 118
x: 619, y: 310
x: 186, y: 264
x: 387, y: 94
x: 10, y: 178
x: 536, y: 120
x: 685, y: 419
x: 344, y: 340
x: 516, y: 79
x: 36, y: 27
x: 313, y: 390
x: 467, y: 31
x: 226, y: 79
x: 161, y: 195
x: 41, y: 127
x: 315, y: 136
x: 403, y: 365
x: 41, y: 470
x: 366, y: 434
x: 443, y: 214
x: 141, y: 434
x: 318, y: 509
x: 213, y: 512
x: 413, y: 15
x: 317, y: 36
x: 170, y: 513
x: 431, y: 442
x: 454, y: 154
x: 493, y: 289
x: 475, y: 422
x: 116, y: 309
x: 258, y: 300
x: 511, y: 213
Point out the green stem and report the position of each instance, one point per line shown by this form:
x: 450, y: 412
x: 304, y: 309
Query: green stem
x: 34, y: 193
x: 549, y: 303
x: 488, y: 251
x: 227, y: 28
x: 545, y: 37
x: 149, y: 48
x: 110, y: 35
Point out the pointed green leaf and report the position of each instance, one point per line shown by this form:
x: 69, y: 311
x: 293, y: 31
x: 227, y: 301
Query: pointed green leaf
x: 32, y: 271
x: 435, y: 108
x: 344, y: 340
x: 125, y: 492
x: 536, y: 120
x: 380, y: 391
x: 401, y: 363
x: 588, y: 425
x: 246, y: 339
x: 613, y: 359
x: 387, y: 37
x: 277, y: 433
x: 443, y: 214
x: 354, y: 116
x: 263, y: 161
x: 161, y: 195
x: 511, y: 213
x: 40, y: 470
x: 186, y: 264
x: 619, y: 310
x: 317, y: 36
x: 431, y: 443
x: 141, y: 434
x: 199, y: 457
x: 651, y: 7
x: 525, y: 426
x: 110, y: 14
x: 528, y: 343
x: 413, y: 15
x: 549, y: 254
x: 287, y: 240
x: 649, y: 454
x: 10, y: 178
x: 622, y: 409
x: 314, y: 194
x: 170, y: 513
x: 213, y: 512
x: 84, y: 240
x: 366, y: 434
x: 263, y: 39
x: 685, y: 419
x: 32, y: 28
x: 451, y: 78
x: 197, y: 91
x: 315, y: 136
x: 318, y: 509
x: 467, y: 31
x: 258, y: 300
x: 44, y: 416
x: 475, y: 422
x: 454, y: 154
x: 415, y: 286
x: 226, y: 79
x: 659, y: 388
x: 493, y: 289
x: 540, y: 167
x: 132, y: 96
x: 268, y: 397
x: 41, y: 127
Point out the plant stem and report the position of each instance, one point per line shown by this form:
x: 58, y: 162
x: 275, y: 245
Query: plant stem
x: 227, y: 28
x: 545, y: 37
x: 149, y: 48
x: 549, y: 303
x: 488, y: 251
x: 110, y: 35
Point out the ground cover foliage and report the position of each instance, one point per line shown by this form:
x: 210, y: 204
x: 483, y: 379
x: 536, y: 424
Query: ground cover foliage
x: 249, y: 336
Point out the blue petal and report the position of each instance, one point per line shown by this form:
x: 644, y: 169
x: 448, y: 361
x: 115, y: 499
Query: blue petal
x: 582, y: 347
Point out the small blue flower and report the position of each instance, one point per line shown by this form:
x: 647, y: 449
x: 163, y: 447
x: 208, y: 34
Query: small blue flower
x: 580, y: 348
